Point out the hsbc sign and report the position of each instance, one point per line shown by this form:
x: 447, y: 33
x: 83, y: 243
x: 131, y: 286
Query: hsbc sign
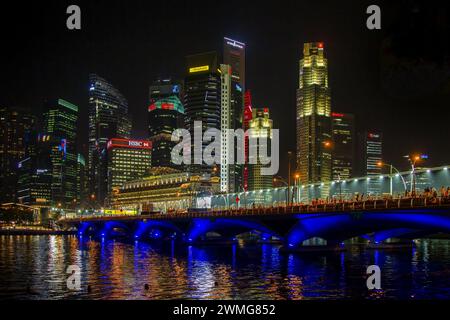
x: 138, y: 144
x: 124, y: 143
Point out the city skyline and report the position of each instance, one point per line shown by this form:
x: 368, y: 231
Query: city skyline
x: 356, y: 79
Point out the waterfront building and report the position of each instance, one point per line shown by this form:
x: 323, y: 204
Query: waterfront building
x: 165, y: 115
x: 202, y: 102
x: 166, y: 189
x: 35, y: 175
x: 234, y: 56
x: 370, y: 153
x: 60, y: 125
x: 17, y: 135
x: 226, y: 168
x: 343, y: 146
x: 127, y: 160
x: 246, y: 118
x: 314, y: 117
x: 261, y: 127
x: 108, y: 118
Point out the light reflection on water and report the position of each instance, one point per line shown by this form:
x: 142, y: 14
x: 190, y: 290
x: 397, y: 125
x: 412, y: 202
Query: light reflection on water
x: 34, y: 267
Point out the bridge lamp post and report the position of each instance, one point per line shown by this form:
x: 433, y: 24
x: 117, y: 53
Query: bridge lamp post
x: 391, y: 169
x: 413, y: 160
x: 297, y: 189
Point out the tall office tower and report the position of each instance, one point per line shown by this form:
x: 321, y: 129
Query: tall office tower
x: 313, y: 118
x: 127, y: 160
x: 108, y: 118
x: 226, y: 168
x: 261, y: 127
x: 202, y: 103
x: 35, y: 175
x: 371, y: 153
x: 17, y: 128
x: 343, y: 127
x: 246, y: 118
x: 165, y: 115
x: 60, y: 123
x: 234, y: 56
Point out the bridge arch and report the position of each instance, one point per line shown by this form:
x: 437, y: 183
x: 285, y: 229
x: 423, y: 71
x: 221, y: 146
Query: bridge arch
x: 341, y: 226
x: 199, y: 227
x: 144, y: 227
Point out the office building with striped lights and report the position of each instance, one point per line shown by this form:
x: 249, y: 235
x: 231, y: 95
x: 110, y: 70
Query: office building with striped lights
x: 127, y: 160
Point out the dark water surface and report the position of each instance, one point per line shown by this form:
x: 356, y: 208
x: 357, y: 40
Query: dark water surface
x: 34, y: 267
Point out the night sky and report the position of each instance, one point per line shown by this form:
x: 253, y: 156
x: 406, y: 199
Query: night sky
x: 396, y: 79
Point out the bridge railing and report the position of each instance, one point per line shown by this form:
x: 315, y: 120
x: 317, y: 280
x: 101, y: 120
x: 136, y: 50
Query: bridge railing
x: 343, y: 206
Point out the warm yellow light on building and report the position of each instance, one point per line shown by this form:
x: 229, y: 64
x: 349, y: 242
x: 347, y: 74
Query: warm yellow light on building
x: 198, y: 69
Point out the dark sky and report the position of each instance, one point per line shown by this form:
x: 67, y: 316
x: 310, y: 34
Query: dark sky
x: 396, y: 80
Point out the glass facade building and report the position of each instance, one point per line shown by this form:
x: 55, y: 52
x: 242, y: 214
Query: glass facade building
x: 108, y: 118
x: 314, y: 116
x: 234, y: 57
x: 343, y: 126
x: 60, y: 125
x: 202, y: 103
x: 165, y: 115
x: 17, y: 135
x: 370, y: 154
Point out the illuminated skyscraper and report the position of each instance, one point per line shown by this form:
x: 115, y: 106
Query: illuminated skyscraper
x: 60, y: 125
x: 226, y: 168
x: 202, y: 102
x: 165, y: 115
x: 234, y: 56
x: 370, y: 152
x: 313, y: 117
x: 247, y: 117
x: 343, y: 125
x: 16, y: 143
x: 108, y: 118
x: 127, y: 160
x: 261, y: 127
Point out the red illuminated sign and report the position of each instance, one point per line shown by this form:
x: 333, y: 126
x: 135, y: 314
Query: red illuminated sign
x: 125, y: 143
x: 337, y: 115
x: 167, y: 106
x: 152, y: 107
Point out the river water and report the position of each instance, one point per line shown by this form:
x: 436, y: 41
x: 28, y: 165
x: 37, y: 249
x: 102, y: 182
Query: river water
x: 34, y: 267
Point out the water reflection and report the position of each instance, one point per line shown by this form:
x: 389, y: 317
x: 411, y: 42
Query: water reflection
x: 33, y: 267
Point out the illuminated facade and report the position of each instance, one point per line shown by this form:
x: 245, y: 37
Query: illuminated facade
x: 313, y: 117
x: 164, y: 190
x: 60, y: 124
x: 370, y: 154
x: 261, y: 127
x: 165, y: 114
x: 226, y: 168
x: 16, y: 143
x: 108, y: 118
x: 202, y: 102
x: 343, y: 126
x: 247, y: 117
x: 234, y: 56
x: 127, y: 160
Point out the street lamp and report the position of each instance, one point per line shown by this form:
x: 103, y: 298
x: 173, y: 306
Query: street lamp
x: 413, y: 160
x: 391, y: 168
x: 297, y: 189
